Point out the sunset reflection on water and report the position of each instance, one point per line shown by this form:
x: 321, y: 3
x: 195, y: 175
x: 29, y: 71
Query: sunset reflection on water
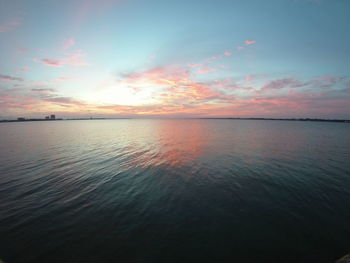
x: 128, y: 187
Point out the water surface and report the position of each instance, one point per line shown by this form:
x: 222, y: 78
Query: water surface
x: 174, y: 191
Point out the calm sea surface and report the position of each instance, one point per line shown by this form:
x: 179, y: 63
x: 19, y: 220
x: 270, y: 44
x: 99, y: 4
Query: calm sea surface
x: 174, y: 191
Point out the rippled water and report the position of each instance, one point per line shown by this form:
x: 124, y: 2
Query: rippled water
x: 174, y: 191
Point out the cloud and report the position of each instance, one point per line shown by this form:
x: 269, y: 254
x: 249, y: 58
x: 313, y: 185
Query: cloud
x: 64, y: 78
x: 327, y: 82
x: 50, y: 62
x: 249, y: 42
x: 174, y: 85
x: 43, y: 90
x: 240, y: 48
x: 8, y: 26
x: 25, y: 68
x: 282, y: 84
x: 159, y: 76
x: 193, y: 65
x: 74, y: 59
x: 68, y: 43
x: 22, y: 50
x: 205, y: 70
x: 65, y: 100
x: 228, y: 53
x: 10, y: 78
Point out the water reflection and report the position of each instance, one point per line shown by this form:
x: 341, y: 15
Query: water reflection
x: 160, y: 190
x: 181, y: 142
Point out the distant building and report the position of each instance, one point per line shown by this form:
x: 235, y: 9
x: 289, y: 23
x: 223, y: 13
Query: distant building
x: 21, y: 119
x: 52, y: 117
x: 47, y: 117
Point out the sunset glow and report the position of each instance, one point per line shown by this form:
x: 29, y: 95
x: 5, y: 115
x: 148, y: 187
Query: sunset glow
x: 137, y: 58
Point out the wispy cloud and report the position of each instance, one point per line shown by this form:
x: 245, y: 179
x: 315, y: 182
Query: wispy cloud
x: 74, y: 59
x: 25, y: 68
x: 22, y: 50
x: 10, y: 78
x: 43, y: 90
x: 282, y: 84
x: 68, y: 43
x: 50, y: 62
x: 65, y: 100
x: 194, y: 65
x: 64, y: 78
x: 205, y: 69
x: 9, y: 25
x: 249, y: 42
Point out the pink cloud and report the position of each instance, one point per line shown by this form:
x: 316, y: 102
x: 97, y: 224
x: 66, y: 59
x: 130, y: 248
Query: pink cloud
x: 74, y: 59
x: 249, y: 42
x: 240, y: 48
x: 51, y: 62
x: 68, y: 43
x: 177, y: 85
x: 64, y: 78
x: 22, y: 50
x: 194, y: 65
x: 166, y: 75
x: 205, y: 70
x: 228, y: 53
x: 8, y: 26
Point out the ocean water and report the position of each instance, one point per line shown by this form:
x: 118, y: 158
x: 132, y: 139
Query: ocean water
x: 174, y: 191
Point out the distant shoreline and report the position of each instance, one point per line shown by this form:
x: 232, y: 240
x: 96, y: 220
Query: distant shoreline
x: 204, y: 118
x: 285, y: 119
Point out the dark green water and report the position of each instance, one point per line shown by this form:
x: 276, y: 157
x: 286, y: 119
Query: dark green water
x: 174, y: 191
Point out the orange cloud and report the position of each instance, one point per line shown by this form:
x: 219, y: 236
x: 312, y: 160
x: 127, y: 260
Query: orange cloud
x: 179, y: 91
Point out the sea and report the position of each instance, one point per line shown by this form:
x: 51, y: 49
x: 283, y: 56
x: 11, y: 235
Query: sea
x: 174, y: 190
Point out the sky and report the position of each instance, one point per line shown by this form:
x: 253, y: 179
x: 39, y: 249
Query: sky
x: 184, y: 58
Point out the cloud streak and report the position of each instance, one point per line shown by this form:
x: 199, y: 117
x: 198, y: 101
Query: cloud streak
x: 10, y: 78
x: 9, y: 26
x: 249, y: 42
x: 75, y: 59
x: 68, y: 43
